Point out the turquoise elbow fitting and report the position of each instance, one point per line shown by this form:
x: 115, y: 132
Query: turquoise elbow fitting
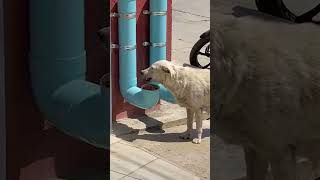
x: 142, y: 98
x: 164, y: 93
x: 58, y: 69
x: 134, y: 95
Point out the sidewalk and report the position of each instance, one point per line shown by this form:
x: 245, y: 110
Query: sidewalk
x: 128, y: 162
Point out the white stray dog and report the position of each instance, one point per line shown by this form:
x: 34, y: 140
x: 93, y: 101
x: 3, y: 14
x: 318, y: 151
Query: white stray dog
x: 190, y: 86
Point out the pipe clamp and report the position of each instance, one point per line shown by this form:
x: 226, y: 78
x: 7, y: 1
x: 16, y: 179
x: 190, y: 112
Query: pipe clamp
x: 146, y: 12
x: 155, y: 13
x: 159, y: 13
x: 114, y: 14
x: 158, y: 44
x: 123, y: 15
x: 145, y: 44
x: 114, y: 46
x: 127, y: 15
x: 128, y: 47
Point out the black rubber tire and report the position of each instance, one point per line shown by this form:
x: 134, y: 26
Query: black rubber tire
x: 279, y: 9
x: 268, y: 6
x: 193, y: 57
x: 275, y: 8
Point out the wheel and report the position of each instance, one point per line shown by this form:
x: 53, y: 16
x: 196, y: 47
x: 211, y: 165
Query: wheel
x: 275, y: 8
x: 269, y: 7
x: 279, y: 9
x: 200, y: 53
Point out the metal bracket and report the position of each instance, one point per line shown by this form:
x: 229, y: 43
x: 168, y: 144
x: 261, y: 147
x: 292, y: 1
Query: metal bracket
x: 146, y: 12
x: 145, y: 44
x: 155, y: 13
x: 114, y: 14
x: 159, y: 13
x: 158, y: 44
x: 123, y: 15
x: 114, y: 46
x: 127, y: 15
x: 128, y: 47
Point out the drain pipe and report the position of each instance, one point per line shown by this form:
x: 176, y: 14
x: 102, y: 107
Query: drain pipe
x: 134, y: 95
x: 58, y: 70
x: 158, y: 39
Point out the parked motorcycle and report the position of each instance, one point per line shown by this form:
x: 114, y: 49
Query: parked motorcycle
x: 200, y: 52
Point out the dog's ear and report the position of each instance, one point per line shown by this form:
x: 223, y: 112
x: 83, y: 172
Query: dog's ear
x: 165, y: 69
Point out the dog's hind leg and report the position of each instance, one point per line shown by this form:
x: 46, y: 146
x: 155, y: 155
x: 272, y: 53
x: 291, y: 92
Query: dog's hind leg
x: 198, y: 115
x: 187, y: 134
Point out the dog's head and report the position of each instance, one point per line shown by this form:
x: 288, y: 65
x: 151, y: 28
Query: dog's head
x: 159, y: 71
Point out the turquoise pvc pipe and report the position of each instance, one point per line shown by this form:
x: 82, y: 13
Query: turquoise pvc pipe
x: 134, y: 95
x: 58, y: 70
x: 158, y: 30
x: 158, y: 34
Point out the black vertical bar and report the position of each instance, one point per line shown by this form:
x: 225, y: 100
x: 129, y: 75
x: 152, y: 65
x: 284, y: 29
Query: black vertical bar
x: 2, y: 98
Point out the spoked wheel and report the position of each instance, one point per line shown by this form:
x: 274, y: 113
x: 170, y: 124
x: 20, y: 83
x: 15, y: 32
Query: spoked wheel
x: 200, y: 53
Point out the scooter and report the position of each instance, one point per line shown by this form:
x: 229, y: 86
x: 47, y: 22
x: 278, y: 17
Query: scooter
x: 200, y: 52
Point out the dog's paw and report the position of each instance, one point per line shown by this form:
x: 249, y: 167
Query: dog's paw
x: 185, y: 136
x: 196, y: 141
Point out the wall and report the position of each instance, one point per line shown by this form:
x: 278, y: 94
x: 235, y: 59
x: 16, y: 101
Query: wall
x: 121, y: 109
x: 33, y: 152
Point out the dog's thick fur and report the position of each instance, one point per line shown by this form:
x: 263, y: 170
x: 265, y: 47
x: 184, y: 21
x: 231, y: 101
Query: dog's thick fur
x: 266, y: 80
x: 190, y: 86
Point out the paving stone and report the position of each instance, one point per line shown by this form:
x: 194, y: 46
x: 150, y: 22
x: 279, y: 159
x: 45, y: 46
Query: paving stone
x: 126, y: 159
x: 115, y: 175
x: 162, y: 170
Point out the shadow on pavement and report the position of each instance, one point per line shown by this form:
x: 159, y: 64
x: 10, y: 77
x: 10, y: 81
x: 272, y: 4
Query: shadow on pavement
x: 155, y: 134
x: 152, y: 126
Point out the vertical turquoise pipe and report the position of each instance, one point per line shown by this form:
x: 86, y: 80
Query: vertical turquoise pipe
x: 158, y: 40
x: 134, y: 95
x: 58, y: 70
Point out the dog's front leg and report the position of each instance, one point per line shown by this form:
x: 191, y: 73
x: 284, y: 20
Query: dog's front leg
x: 198, y: 115
x: 187, y: 134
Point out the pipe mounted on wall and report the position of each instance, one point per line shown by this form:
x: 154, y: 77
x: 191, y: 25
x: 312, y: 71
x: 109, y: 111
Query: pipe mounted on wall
x: 134, y: 95
x: 158, y: 40
x: 58, y: 70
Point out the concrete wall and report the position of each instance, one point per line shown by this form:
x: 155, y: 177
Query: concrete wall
x: 2, y: 100
x: 120, y: 109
